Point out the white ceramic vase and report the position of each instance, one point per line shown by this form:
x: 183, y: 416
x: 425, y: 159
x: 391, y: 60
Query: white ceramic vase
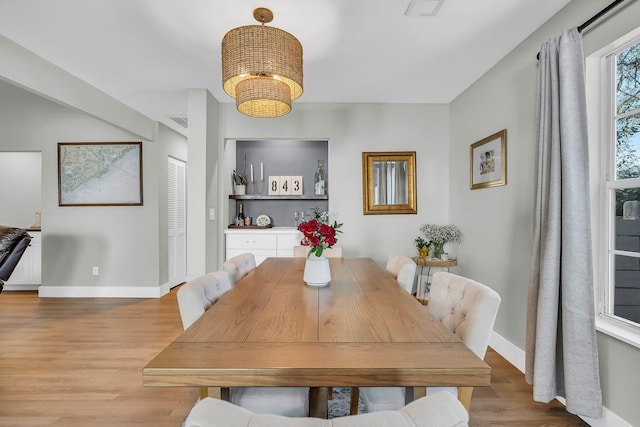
x: 316, y: 271
x: 240, y: 189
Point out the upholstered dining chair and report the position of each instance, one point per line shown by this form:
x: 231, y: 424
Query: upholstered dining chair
x: 403, y: 269
x: 302, y: 251
x: 438, y: 410
x: 239, y: 266
x: 465, y: 307
x: 198, y: 295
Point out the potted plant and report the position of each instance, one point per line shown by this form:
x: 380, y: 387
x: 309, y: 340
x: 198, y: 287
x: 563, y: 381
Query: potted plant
x: 422, y: 246
x: 439, y: 235
x: 240, y: 183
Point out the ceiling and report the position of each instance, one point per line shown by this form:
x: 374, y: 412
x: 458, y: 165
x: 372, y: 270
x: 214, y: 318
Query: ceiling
x: 147, y: 53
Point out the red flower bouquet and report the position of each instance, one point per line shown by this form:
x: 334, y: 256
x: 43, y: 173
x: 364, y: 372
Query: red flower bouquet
x: 319, y: 233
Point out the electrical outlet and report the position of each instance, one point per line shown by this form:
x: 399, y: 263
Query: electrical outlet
x: 96, y: 270
x: 212, y: 214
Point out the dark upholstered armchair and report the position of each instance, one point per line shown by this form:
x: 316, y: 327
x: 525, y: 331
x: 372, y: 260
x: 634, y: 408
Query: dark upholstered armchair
x: 13, y: 243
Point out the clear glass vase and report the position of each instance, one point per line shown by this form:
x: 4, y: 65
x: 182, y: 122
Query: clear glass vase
x: 319, y: 180
x: 438, y: 249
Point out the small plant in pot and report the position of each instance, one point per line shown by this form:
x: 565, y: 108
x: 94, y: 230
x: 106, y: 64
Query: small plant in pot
x: 423, y: 247
x: 240, y: 183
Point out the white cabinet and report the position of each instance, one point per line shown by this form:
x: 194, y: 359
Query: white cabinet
x: 28, y: 273
x: 286, y: 242
x: 262, y: 243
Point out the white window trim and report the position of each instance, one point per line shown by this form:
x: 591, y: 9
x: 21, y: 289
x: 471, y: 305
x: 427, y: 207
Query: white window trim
x: 602, y: 88
x: 618, y: 329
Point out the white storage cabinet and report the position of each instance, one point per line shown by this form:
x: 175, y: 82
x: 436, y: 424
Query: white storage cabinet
x: 262, y: 243
x: 28, y: 273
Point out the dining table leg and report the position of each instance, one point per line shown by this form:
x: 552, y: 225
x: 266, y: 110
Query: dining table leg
x: 318, y: 404
x: 221, y: 393
x: 464, y: 396
x: 414, y: 393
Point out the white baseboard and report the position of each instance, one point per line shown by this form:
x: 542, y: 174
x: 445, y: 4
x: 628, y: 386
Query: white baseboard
x: 508, y: 350
x: 103, y: 291
x: 8, y: 287
x: 514, y: 355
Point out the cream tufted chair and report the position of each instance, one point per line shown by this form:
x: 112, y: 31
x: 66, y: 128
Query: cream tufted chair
x: 197, y: 296
x: 403, y: 270
x: 239, y: 266
x: 465, y: 307
x: 302, y: 251
x: 438, y: 410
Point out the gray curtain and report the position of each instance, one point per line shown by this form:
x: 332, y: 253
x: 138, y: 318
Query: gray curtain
x: 400, y: 183
x: 390, y: 183
x: 381, y: 181
x: 562, y: 356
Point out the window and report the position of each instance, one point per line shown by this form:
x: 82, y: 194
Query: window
x: 619, y: 299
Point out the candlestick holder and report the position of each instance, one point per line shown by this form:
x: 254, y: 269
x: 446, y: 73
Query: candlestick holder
x: 257, y: 189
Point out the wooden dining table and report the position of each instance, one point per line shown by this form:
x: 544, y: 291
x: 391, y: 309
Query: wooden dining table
x: 272, y: 329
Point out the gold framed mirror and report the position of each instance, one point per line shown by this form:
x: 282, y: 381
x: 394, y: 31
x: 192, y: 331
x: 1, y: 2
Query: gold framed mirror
x: 389, y: 183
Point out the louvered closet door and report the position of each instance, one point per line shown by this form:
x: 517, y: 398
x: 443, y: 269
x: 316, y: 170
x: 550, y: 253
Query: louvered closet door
x: 177, y: 222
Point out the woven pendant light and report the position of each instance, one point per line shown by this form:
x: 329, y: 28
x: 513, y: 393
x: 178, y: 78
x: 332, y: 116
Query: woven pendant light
x: 262, y: 67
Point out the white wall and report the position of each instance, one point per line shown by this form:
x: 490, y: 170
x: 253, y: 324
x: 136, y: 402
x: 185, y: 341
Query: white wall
x: 202, y: 184
x: 497, y: 221
x: 20, y: 190
x: 24, y: 69
x: 350, y: 130
x: 121, y: 241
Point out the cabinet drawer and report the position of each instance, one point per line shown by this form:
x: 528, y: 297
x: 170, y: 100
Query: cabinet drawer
x: 251, y: 241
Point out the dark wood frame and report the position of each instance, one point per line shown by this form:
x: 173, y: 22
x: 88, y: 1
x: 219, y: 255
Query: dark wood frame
x: 62, y: 146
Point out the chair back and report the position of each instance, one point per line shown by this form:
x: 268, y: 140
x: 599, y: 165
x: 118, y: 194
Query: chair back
x: 197, y: 295
x: 13, y: 243
x: 465, y: 307
x: 302, y: 252
x: 441, y: 410
x: 403, y: 269
x: 239, y: 266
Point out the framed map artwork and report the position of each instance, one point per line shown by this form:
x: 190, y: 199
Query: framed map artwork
x: 100, y: 173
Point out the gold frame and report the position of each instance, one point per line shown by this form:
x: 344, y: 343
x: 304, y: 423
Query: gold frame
x: 492, y: 180
x: 368, y: 207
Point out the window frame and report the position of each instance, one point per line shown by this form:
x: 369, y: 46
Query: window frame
x: 606, y: 322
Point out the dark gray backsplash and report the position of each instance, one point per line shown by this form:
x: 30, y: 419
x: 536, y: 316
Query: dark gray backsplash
x: 282, y: 158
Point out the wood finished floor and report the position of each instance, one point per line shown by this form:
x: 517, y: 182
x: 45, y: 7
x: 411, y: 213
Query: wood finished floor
x: 78, y: 362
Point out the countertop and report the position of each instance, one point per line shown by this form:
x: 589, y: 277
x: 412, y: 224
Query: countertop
x: 271, y: 230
